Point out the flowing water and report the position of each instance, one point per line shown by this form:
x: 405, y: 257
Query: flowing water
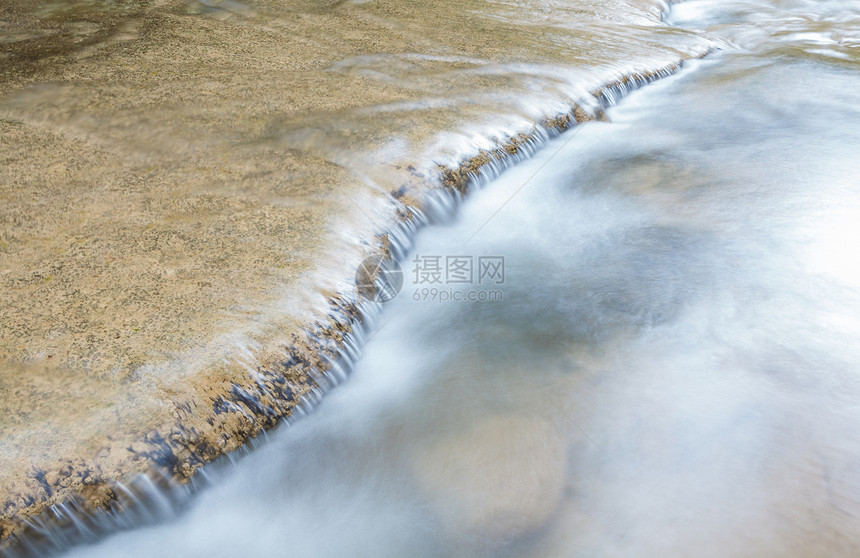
x: 669, y: 366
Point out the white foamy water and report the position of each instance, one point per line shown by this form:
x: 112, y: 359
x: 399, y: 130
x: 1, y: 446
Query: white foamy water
x: 671, y: 365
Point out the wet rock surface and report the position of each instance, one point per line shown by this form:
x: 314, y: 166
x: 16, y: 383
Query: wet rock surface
x: 187, y: 187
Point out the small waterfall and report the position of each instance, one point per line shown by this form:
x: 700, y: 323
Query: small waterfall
x: 152, y: 497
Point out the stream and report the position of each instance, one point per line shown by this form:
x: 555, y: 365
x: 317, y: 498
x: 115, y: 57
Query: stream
x: 643, y: 341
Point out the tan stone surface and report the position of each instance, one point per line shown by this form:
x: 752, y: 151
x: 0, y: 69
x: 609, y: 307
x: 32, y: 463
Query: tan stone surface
x: 184, y: 186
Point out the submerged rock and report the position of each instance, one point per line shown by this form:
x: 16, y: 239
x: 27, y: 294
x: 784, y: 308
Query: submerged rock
x: 503, y: 477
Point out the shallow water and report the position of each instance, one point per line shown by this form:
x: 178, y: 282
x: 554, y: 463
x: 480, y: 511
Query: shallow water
x: 672, y: 364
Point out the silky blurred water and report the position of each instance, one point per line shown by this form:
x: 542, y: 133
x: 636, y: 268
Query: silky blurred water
x: 673, y: 367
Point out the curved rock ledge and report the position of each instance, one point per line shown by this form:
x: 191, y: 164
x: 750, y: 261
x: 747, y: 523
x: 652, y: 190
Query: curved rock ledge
x: 80, y: 503
x: 170, y: 422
